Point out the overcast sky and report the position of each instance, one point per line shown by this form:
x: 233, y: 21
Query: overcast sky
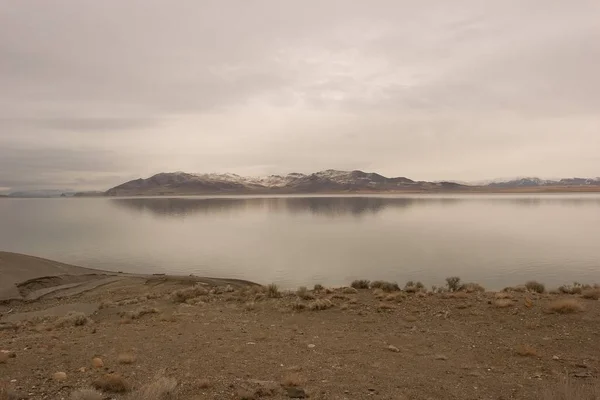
x: 93, y: 93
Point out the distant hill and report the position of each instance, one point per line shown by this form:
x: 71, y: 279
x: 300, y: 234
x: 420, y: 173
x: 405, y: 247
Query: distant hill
x: 328, y: 181
x: 537, y: 182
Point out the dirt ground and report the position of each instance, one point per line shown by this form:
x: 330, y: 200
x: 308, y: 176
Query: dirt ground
x: 228, y: 342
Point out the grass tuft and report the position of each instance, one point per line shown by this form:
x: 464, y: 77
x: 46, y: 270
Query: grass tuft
x: 113, y: 383
x: 304, y: 294
x: 273, y: 291
x: 320, y: 304
x: 182, y: 295
x: 160, y: 389
x: 591, y: 294
x: 385, y: 286
x: 72, y: 319
x: 565, y: 306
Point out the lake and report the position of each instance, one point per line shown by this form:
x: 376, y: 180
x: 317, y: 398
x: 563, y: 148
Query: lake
x: 496, y: 240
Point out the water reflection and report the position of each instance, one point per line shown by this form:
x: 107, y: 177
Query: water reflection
x: 325, y: 206
x: 322, y: 206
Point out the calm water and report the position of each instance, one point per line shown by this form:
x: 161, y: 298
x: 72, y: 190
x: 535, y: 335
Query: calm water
x: 496, y: 240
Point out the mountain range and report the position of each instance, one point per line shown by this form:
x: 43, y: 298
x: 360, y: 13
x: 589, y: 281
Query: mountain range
x: 328, y: 181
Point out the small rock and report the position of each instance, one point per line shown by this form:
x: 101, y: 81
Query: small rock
x: 97, y: 362
x: 585, y: 374
x: 59, y: 376
x: 312, y: 346
x: 555, y: 358
x: 296, y: 393
x: 393, y: 348
x: 441, y: 357
x: 82, y: 369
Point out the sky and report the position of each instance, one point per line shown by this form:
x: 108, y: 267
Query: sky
x: 95, y: 93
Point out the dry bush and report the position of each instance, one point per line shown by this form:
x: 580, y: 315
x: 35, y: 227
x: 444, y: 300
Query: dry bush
x: 126, y: 358
x: 160, y: 389
x: 503, y: 303
x: 298, y: 306
x: 393, y: 297
x: 72, y: 319
x: 453, y: 283
x: 349, y: 290
x: 292, y: 379
x: 86, y: 394
x: 503, y: 295
x: 535, y: 286
x: 527, y: 351
x: 181, y: 295
x: 113, y: 383
x: 318, y: 288
x: 273, y: 291
x: 304, y: 294
x: 385, y: 286
x: 139, y: 313
x: 413, y: 287
x: 360, y: 284
x: 592, y: 294
x: 571, y: 390
x: 320, y: 304
x: 565, y: 306
x: 472, y: 287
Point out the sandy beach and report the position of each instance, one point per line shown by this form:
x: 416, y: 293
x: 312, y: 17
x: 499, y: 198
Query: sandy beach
x: 72, y: 332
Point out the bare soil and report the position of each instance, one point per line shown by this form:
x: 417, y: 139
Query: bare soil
x: 236, y: 342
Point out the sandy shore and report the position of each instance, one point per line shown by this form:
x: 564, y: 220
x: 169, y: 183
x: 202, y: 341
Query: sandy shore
x: 143, y: 337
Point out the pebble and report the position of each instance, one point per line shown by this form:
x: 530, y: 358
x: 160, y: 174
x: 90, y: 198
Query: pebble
x: 59, y: 376
x: 555, y: 358
x: 441, y: 357
x: 393, y: 348
x: 97, y: 362
x: 312, y: 346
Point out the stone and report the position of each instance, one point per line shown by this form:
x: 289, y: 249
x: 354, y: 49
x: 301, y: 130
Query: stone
x: 441, y: 357
x: 296, y: 393
x: 393, y: 348
x: 312, y: 346
x: 59, y: 376
x: 97, y: 362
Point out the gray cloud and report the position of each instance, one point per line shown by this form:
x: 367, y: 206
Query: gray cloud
x: 96, y: 92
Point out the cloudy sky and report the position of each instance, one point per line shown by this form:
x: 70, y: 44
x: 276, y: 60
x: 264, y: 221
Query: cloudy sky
x: 93, y: 93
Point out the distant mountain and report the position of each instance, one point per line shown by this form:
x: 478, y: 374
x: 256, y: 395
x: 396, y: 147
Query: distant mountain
x: 39, y: 193
x: 329, y: 181
x: 537, y: 182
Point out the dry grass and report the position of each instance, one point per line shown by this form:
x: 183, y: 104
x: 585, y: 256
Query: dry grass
x: 379, y: 294
x: 113, y: 383
x: 503, y: 303
x: 535, y: 286
x: 181, y: 295
x: 86, y: 394
x: 571, y: 390
x: 591, y: 294
x: 527, y: 351
x: 292, y: 379
x: 385, y: 286
x: 72, y: 319
x: 320, y: 304
x: 413, y: 287
x: 126, y: 358
x: 139, y: 313
x: 160, y: 389
x: 304, y: 294
x: 565, y: 306
x: 273, y: 291
x: 360, y: 284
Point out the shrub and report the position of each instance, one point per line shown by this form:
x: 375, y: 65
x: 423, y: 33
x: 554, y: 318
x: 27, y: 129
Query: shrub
x: 565, y: 306
x: 472, y: 287
x: 273, y: 291
x: 592, y: 294
x: 304, y: 294
x: 360, y: 284
x: 534, y: 286
x: 320, y: 304
x: 298, y: 306
x: 453, y: 283
x: 181, y: 295
x: 318, y: 288
x: 72, y: 319
x: 157, y: 390
x: 385, y: 286
x: 413, y: 287
x: 349, y: 290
